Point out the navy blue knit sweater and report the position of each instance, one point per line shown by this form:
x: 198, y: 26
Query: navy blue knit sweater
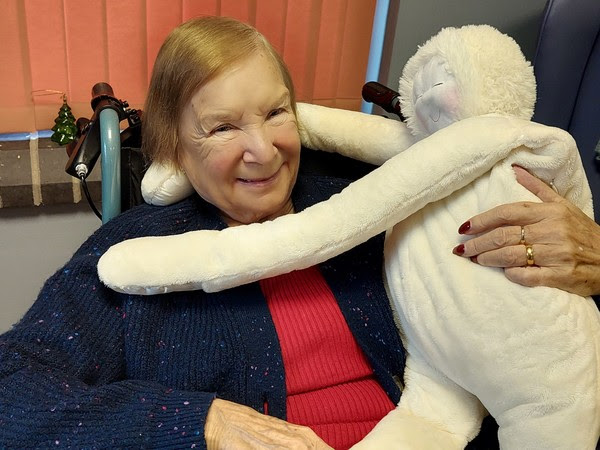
x: 90, y: 368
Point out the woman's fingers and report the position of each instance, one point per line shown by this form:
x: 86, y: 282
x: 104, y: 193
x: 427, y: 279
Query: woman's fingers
x: 520, y: 213
x: 497, y: 238
x: 536, y: 186
x: 516, y: 256
x: 516, y: 236
x: 233, y: 426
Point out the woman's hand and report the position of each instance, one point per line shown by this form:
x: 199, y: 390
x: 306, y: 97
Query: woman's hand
x: 565, y: 243
x: 233, y: 426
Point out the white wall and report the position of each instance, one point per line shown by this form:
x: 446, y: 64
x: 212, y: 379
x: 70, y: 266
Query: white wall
x: 34, y: 243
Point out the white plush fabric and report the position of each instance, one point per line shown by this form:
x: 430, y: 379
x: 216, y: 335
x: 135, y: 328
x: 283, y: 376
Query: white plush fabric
x: 356, y: 135
x: 164, y: 185
x: 475, y: 341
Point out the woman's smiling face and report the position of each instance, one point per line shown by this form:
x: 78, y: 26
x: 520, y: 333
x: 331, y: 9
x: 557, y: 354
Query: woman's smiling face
x: 239, y: 142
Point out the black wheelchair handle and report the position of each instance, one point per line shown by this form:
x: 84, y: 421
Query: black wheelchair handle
x: 102, y: 88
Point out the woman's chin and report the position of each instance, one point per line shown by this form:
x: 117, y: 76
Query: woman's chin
x: 261, y: 211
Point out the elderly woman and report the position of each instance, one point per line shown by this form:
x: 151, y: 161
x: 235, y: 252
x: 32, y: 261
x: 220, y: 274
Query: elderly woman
x: 88, y: 367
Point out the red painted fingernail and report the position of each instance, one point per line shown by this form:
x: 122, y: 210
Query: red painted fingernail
x: 474, y: 258
x: 464, y: 227
x: 459, y: 249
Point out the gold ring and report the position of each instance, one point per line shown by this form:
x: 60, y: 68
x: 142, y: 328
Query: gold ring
x: 529, y: 254
x: 522, y: 241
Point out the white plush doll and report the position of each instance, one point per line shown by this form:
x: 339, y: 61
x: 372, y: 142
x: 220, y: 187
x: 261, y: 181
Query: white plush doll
x: 476, y: 342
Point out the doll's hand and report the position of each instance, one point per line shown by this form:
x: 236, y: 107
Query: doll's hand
x: 233, y: 426
x: 565, y: 243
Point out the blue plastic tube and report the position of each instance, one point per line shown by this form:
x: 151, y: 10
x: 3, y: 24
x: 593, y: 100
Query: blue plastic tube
x: 110, y: 150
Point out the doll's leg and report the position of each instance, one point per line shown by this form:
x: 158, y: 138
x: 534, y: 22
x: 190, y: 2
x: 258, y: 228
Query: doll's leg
x: 433, y: 413
x: 565, y: 423
x: 556, y: 409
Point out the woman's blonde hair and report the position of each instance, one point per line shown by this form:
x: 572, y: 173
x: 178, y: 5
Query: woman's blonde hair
x: 191, y: 55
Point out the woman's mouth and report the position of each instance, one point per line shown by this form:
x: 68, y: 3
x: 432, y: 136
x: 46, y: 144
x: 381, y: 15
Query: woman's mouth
x: 259, y: 181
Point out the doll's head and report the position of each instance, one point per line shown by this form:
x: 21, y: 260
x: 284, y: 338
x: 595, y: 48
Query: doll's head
x: 465, y: 72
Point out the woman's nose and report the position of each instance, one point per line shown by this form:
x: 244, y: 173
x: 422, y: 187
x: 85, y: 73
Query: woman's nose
x: 259, y: 146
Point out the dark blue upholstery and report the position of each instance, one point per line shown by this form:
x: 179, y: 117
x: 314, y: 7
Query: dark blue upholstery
x: 567, y: 70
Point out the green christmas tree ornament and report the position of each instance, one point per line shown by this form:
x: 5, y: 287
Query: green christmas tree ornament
x: 65, y: 130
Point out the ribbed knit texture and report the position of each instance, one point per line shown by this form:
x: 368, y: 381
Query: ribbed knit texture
x: 90, y: 368
x: 329, y: 383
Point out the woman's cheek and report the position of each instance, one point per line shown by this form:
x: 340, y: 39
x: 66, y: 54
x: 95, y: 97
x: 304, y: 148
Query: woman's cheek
x: 287, y: 135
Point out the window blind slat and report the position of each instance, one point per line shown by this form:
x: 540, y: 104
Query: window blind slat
x: 239, y: 9
x: 16, y: 108
x: 270, y: 20
x: 46, y: 39
x: 85, y: 51
x: 355, y: 49
x: 161, y: 17
x: 126, y: 49
x: 194, y: 8
x: 329, y: 51
x: 300, y: 49
x: 47, y: 55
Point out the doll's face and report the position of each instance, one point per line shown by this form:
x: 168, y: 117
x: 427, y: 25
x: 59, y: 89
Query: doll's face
x: 435, y: 95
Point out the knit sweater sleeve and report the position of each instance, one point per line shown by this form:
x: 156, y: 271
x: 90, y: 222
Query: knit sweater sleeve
x: 63, y: 380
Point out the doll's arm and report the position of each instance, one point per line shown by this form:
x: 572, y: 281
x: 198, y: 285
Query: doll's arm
x: 368, y: 138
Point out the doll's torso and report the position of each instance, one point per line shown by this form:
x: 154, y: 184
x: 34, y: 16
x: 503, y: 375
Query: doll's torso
x: 485, y: 333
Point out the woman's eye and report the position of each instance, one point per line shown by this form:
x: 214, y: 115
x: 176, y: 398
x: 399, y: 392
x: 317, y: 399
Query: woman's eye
x: 275, y: 112
x: 222, y: 129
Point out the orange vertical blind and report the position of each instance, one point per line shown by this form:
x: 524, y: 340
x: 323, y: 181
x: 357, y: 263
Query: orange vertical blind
x: 69, y: 45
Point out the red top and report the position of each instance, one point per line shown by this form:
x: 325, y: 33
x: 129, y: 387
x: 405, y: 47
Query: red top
x: 329, y: 382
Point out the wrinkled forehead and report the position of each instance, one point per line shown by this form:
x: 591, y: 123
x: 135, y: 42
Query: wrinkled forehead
x: 252, y: 85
